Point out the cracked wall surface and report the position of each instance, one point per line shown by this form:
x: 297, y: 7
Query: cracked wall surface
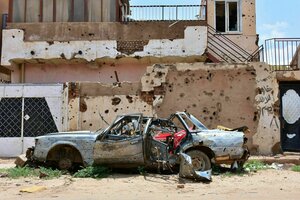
x: 217, y: 94
x: 15, y: 48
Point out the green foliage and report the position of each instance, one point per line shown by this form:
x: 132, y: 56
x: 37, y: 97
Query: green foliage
x: 255, y: 165
x: 93, y: 172
x: 296, y: 168
x: 19, y: 172
x: 50, y: 173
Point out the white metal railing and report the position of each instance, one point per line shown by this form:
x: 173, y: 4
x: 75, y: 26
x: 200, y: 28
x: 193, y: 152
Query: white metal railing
x: 163, y: 12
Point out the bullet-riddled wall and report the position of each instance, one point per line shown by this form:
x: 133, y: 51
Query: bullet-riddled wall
x: 228, y: 95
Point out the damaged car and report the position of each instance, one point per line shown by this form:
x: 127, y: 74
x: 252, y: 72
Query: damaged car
x: 180, y: 143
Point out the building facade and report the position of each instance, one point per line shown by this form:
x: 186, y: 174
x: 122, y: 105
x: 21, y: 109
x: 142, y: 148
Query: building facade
x: 109, y: 57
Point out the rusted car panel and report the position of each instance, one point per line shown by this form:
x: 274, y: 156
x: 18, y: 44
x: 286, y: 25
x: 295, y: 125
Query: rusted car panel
x: 48, y: 147
x: 134, y: 140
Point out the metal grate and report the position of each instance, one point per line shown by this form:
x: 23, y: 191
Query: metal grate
x: 38, y: 119
x: 10, y: 117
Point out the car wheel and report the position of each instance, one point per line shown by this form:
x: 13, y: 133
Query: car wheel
x: 64, y: 164
x: 200, y: 160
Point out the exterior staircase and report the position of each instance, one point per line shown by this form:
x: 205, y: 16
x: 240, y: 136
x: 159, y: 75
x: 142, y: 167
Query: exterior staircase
x: 222, y: 49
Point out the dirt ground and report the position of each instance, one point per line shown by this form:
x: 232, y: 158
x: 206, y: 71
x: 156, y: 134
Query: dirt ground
x: 267, y: 184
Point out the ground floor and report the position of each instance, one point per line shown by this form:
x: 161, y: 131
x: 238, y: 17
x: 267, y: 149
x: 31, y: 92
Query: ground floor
x: 218, y: 94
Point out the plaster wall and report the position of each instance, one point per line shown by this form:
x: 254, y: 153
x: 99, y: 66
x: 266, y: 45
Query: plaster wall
x: 228, y: 95
x: 15, y: 48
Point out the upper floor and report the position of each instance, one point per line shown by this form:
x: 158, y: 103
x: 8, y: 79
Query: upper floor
x: 90, y: 30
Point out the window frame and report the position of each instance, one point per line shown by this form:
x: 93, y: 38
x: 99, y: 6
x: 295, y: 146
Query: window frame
x: 239, y: 16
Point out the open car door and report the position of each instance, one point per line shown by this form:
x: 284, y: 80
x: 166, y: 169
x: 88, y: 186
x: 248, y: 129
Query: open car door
x: 122, y: 143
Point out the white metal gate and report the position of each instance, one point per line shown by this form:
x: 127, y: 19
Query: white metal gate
x: 27, y: 111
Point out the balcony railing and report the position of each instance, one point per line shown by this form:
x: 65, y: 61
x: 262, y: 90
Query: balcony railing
x: 164, y: 13
x: 282, y: 53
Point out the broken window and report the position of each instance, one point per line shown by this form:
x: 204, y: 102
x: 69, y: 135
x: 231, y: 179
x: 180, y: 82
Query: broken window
x: 227, y: 16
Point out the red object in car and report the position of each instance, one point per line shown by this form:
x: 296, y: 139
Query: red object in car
x: 177, y: 137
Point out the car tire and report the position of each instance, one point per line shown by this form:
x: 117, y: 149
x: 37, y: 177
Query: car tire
x: 200, y: 160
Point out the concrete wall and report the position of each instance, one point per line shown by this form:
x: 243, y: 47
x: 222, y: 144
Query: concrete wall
x: 247, y: 38
x: 228, y: 95
x: 16, y: 49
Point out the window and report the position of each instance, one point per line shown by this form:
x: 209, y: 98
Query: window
x: 227, y: 16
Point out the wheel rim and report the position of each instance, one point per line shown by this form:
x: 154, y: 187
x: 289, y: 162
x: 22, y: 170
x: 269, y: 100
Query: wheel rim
x: 198, y: 164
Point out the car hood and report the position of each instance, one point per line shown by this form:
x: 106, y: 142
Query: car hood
x: 218, y: 137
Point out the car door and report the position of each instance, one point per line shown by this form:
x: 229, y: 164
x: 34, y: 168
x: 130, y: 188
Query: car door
x: 122, y: 143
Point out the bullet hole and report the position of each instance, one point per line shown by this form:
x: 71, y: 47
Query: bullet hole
x: 248, y: 98
x: 182, y: 95
x: 82, y: 35
x: 183, y: 51
x: 222, y: 93
x: 214, y: 113
x: 208, y: 93
x: 69, y: 29
x: 46, y: 49
x: 50, y: 42
x: 145, y: 106
x: 209, y: 77
x: 80, y: 52
x: 83, y: 106
x: 211, y: 118
x: 106, y: 111
x: 186, y: 81
x: 13, y: 36
x: 255, y: 116
x: 194, y: 105
x: 258, y: 91
x: 152, y: 82
x: 129, y: 98
x: 91, y: 34
x: 159, y: 74
x: 63, y: 56
x: 32, y: 53
x: 91, y: 124
x: 115, y: 101
x: 116, y: 110
x: 84, y: 121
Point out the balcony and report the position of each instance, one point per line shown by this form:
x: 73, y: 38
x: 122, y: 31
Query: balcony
x: 35, y: 11
x: 283, y: 54
x: 164, y: 13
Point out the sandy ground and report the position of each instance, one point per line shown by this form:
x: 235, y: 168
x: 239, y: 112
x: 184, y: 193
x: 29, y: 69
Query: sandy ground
x: 267, y: 184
